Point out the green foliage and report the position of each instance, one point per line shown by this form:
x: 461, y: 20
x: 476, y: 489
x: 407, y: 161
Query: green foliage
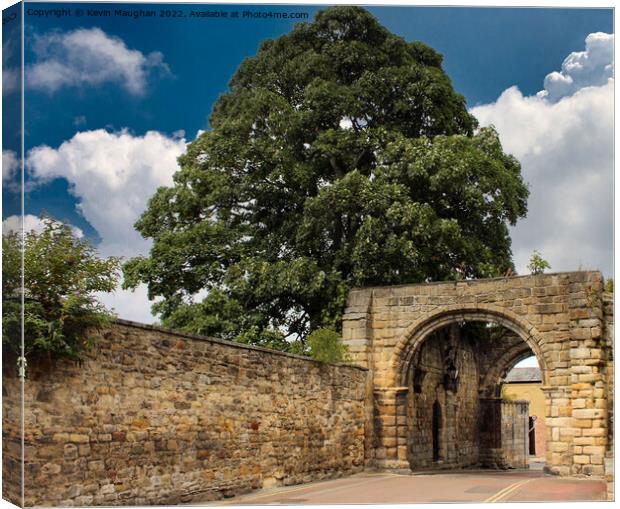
x: 341, y: 156
x: 537, y: 263
x: 609, y: 285
x: 61, y: 274
x: 325, y: 346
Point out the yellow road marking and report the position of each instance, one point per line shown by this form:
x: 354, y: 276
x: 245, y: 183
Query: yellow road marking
x: 507, y: 491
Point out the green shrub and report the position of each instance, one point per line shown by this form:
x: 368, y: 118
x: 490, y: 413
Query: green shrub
x: 62, y: 273
x: 325, y: 346
x: 537, y: 263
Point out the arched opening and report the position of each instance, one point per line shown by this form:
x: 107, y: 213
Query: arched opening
x: 418, y: 332
x: 453, y: 371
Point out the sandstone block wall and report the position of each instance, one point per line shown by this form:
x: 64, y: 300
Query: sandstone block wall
x: 11, y: 431
x: 608, y: 308
x: 155, y: 417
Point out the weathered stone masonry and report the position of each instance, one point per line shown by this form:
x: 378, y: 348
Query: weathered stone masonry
x: 155, y: 417
x: 558, y: 317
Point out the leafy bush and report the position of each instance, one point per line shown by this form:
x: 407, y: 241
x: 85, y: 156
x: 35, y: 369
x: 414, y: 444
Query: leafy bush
x: 537, y: 263
x: 61, y: 275
x: 325, y: 346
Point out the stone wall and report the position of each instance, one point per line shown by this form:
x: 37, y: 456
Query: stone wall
x: 11, y: 431
x: 490, y: 455
x: 608, y: 308
x: 156, y: 417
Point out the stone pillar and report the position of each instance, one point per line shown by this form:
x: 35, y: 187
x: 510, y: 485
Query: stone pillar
x: 589, y: 408
x: 560, y: 431
x: 491, y: 432
x: 357, y: 327
x: 402, y: 396
x: 391, y: 428
x: 451, y: 457
x: 588, y: 388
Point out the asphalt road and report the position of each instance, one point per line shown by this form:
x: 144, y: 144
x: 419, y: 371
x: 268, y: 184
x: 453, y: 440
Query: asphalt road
x: 449, y: 487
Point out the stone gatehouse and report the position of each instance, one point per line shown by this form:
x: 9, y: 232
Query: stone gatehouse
x: 438, y: 353
x: 154, y: 416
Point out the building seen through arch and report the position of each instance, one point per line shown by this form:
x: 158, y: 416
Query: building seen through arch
x: 524, y: 383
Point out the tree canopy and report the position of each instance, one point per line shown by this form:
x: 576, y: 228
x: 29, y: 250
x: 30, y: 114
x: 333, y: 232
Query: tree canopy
x: 62, y: 274
x: 340, y: 156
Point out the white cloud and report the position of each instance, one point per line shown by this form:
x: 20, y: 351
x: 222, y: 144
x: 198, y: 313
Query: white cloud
x: 89, y: 57
x: 10, y: 80
x: 10, y: 167
x: 590, y: 68
x: 113, y: 175
x: 31, y: 223
x: 566, y: 152
x: 130, y: 305
x: 10, y: 75
x: 345, y: 123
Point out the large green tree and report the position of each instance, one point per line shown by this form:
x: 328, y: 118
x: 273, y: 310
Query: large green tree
x: 340, y: 156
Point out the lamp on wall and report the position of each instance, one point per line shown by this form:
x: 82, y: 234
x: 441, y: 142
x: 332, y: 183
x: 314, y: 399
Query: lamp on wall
x: 451, y: 378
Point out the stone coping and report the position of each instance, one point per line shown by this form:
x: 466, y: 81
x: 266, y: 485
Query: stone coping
x: 234, y: 344
x: 478, y: 281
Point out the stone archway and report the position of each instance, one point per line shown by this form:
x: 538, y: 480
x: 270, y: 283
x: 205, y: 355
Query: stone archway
x: 429, y: 322
x: 500, y: 365
x: 560, y: 317
x: 467, y: 438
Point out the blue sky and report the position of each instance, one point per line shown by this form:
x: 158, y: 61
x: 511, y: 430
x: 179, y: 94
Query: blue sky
x: 171, y: 70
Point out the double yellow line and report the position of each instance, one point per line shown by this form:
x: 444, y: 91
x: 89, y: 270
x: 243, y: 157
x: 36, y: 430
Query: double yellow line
x: 508, y: 490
